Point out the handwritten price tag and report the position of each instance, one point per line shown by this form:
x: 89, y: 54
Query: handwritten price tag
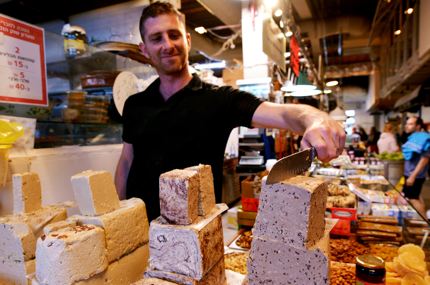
x: 22, y: 63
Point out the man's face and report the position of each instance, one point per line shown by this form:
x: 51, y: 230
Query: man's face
x: 166, y: 43
x: 411, y: 125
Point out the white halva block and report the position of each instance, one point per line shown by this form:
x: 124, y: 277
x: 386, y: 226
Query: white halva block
x: 39, y: 219
x: 69, y: 222
x: 27, y: 192
x: 127, y: 270
x: 125, y: 228
x: 17, y: 241
x: 274, y: 262
x: 70, y: 255
x: 188, y: 250
x: 95, y: 192
x: 292, y: 211
x: 16, y: 273
x: 179, y: 192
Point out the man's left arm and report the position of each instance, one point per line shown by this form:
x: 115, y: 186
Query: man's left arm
x: 318, y: 129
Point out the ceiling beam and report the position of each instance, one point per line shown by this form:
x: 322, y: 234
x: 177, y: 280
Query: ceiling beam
x: 228, y: 11
x: 302, y: 9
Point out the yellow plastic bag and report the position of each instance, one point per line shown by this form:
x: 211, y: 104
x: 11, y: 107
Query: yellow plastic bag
x: 9, y: 133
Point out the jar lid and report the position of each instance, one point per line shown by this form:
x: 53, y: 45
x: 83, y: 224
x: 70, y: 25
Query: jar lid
x: 370, y: 261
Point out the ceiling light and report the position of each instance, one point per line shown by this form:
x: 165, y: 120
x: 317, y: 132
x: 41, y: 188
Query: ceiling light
x: 287, y: 54
x: 397, y: 32
x: 350, y: 113
x: 327, y: 91
x: 210, y: 65
x: 281, y: 24
x: 289, y: 33
x: 278, y: 13
x: 201, y: 30
x: 409, y: 11
x: 332, y: 83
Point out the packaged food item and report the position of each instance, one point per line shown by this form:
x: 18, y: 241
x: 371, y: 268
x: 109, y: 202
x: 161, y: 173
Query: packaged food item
x: 75, y: 40
x: 370, y: 270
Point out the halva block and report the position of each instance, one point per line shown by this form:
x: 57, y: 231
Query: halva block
x: 70, y: 255
x: 125, y: 228
x: 179, y: 191
x: 292, y: 211
x: 95, y: 192
x: 27, y: 193
x: 206, y: 200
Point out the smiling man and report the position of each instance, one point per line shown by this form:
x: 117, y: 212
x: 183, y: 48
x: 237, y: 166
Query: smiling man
x: 180, y: 121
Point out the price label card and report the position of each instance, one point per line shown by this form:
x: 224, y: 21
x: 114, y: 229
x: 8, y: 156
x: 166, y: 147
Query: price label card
x: 22, y: 63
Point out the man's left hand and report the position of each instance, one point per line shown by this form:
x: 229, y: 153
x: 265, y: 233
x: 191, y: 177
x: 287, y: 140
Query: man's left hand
x: 328, y: 138
x: 410, y: 181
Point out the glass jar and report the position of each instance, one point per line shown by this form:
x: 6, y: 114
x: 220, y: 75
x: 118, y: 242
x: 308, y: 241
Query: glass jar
x: 369, y: 270
x: 75, y: 40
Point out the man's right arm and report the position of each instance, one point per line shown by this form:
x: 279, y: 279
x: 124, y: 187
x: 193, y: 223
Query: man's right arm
x: 122, y: 170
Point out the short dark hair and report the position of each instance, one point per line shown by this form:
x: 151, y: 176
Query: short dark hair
x: 419, y: 122
x: 156, y: 9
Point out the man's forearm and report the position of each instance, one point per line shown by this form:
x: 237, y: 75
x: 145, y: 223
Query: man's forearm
x: 420, y: 166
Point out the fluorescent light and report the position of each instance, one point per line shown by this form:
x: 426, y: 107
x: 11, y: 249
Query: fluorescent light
x: 201, y: 30
x: 290, y: 87
x: 210, y: 65
x: 281, y: 24
x: 287, y: 54
x: 278, y: 13
x: 332, y: 83
x: 303, y: 93
x: 259, y: 80
x: 327, y: 91
x: 350, y: 113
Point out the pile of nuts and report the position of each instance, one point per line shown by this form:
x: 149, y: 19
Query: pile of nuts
x: 342, y: 274
x: 245, y: 240
x: 236, y: 261
x: 385, y: 251
x: 346, y: 250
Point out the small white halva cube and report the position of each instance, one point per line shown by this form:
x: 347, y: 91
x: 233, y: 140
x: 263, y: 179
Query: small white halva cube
x: 292, y: 211
x: 15, y: 273
x: 179, y: 192
x: 125, y: 228
x: 206, y: 189
x: 17, y: 241
x: 70, y: 255
x: 188, y: 250
x: 39, y: 219
x: 27, y: 193
x: 95, y: 192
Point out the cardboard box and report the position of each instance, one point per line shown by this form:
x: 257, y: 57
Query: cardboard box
x: 345, y: 216
x: 246, y: 187
x: 250, y: 204
x: 245, y: 218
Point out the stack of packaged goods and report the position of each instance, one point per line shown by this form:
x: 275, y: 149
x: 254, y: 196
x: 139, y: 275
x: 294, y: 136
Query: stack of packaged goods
x: 290, y: 243
x: 107, y: 244
x: 186, y: 241
x: 19, y: 232
x: 374, y: 229
x: 251, y: 188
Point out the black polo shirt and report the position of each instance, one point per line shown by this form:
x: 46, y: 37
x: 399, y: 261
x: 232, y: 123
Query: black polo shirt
x: 191, y: 127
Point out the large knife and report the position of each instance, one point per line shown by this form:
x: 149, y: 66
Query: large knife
x: 291, y: 165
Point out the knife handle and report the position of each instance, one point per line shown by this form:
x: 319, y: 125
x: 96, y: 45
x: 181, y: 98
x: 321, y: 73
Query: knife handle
x: 313, y: 153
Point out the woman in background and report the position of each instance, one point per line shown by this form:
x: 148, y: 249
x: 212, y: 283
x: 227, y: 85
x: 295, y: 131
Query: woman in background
x: 387, y: 142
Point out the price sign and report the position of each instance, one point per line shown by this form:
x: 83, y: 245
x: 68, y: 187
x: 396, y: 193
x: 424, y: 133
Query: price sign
x: 22, y: 63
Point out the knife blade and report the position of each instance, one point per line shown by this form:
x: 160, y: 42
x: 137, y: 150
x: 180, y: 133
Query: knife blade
x: 291, y: 165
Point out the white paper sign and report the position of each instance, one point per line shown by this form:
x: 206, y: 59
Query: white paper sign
x: 22, y: 63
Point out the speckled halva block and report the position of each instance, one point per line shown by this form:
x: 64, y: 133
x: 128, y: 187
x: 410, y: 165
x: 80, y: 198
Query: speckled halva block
x: 292, y: 211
